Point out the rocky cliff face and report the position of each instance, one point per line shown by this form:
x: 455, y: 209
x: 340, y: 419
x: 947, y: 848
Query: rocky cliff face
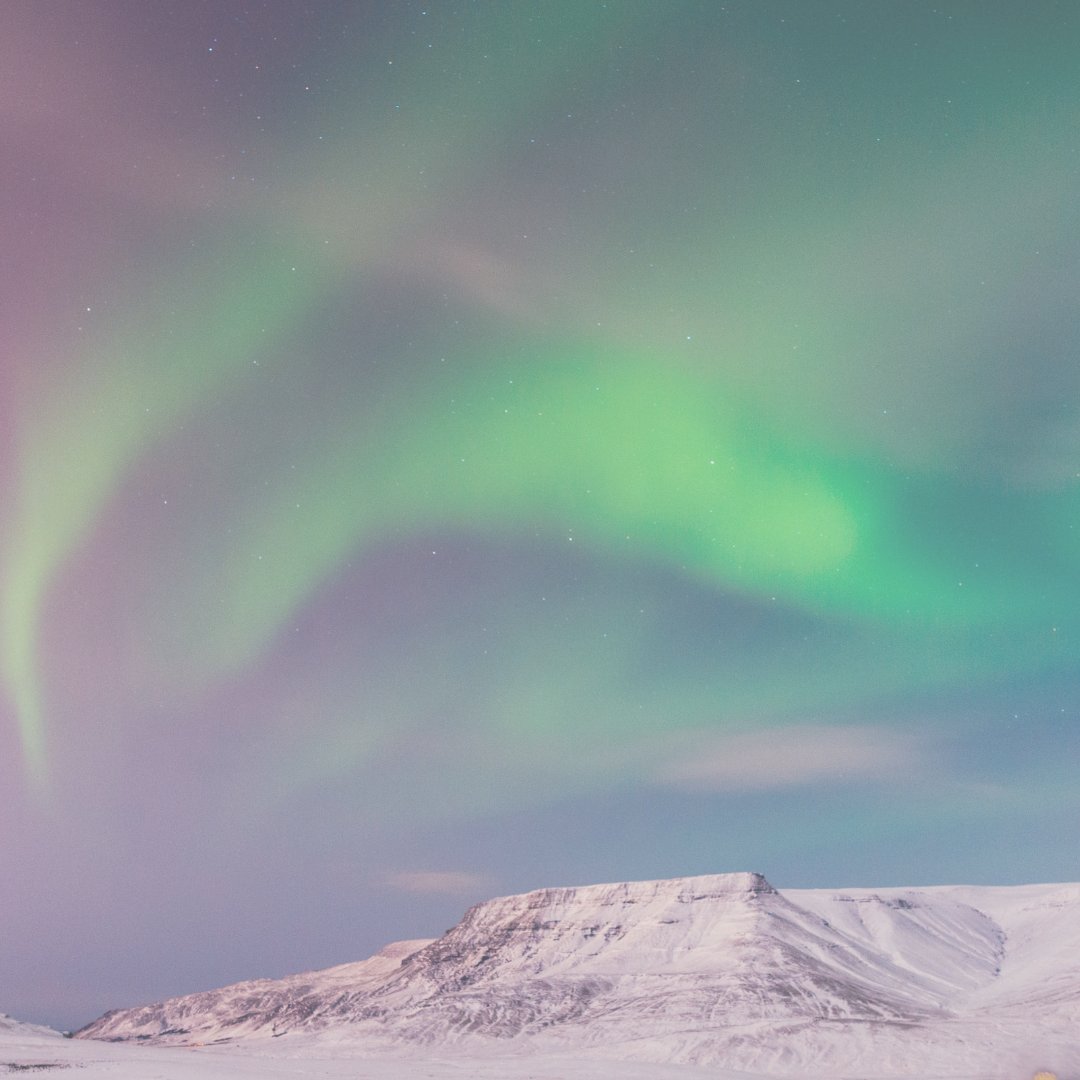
x: 721, y: 969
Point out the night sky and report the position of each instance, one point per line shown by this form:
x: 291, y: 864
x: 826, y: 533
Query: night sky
x: 450, y: 450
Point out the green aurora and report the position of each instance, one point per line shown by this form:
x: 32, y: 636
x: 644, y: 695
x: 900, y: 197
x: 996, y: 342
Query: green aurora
x: 523, y: 443
x: 696, y: 457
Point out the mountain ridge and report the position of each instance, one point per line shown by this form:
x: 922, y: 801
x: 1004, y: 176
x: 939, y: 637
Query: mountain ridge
x: 721, y: 969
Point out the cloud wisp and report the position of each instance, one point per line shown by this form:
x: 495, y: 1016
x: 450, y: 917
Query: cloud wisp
x: 439, y: 882
x: 792, y: 756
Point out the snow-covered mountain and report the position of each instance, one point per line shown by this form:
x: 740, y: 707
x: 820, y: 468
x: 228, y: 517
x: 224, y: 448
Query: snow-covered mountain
x: 11, y: 1029
x: 721, y: 970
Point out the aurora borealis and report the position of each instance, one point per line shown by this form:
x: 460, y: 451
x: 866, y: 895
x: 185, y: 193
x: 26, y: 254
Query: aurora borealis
x: 451, y: 449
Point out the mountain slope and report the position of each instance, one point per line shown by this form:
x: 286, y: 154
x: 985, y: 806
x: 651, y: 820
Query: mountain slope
x: 721, y: 970
x: 260, y: 1006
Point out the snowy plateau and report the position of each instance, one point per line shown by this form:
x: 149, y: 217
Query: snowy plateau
x: 716, y: 976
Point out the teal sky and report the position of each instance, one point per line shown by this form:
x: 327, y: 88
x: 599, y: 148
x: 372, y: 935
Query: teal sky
x: 451, y: 449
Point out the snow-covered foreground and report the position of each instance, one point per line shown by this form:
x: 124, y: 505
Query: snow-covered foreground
x: 681, y: 978
x: 29, y: 1050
